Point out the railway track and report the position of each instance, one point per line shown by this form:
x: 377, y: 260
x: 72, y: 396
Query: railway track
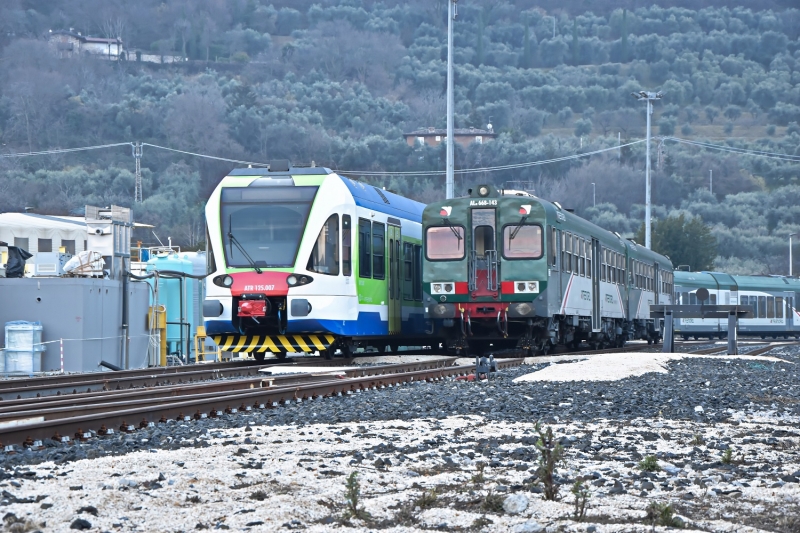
x: 28, y: 422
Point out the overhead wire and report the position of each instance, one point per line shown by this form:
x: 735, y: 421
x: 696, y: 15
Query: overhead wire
x: 62, y: 150
x: 207, y: 156
x: 491, y: 169
x: 735, y: 150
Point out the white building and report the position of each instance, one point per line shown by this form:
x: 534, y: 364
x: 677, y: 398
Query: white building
x: 71, y: 43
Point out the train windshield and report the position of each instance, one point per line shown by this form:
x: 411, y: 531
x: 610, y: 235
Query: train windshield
x: 267, y: 223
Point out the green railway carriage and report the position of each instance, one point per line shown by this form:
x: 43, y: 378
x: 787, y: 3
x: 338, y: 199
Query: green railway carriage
x: 773, y: 299
x: 505, y: 269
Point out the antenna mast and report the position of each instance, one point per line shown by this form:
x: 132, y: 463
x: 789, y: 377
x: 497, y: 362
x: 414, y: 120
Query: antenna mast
x: 137, y: 155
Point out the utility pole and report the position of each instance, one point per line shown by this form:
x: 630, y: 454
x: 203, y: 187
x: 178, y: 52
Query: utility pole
x: 648, y: 97
x: 790, y: 253
x: 594, y: 198
x: 711, y: 181
x: 452, y: 13
x: 137, y: 155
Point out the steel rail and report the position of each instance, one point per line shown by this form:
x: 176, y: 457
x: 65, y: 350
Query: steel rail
x: 8, y: 408
x: 82, y: 427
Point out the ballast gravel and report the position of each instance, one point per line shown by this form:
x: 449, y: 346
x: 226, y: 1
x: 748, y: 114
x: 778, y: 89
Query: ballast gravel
x: 451, y: 456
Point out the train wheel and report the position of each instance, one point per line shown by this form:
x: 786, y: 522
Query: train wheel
x: 281, y: 355
x: 686, y: 337
x: 327, y: 354
x: 259, y: 356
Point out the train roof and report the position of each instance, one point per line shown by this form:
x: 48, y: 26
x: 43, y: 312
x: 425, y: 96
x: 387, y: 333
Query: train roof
x: 709, y: 280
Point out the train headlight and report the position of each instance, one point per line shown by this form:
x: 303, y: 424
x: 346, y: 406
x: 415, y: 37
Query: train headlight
x: 523, y: 308
x: 223, y: 281
x: 533, y: 286
x: 521, y: 287
x: 448, y: 287
x: 292, y: 280
x: 483, y: 190
x: 437, y: 287
x: 440, y: 309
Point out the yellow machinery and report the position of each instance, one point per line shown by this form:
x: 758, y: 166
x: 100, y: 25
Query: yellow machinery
x: 200, y: 350
x: 157, y: 318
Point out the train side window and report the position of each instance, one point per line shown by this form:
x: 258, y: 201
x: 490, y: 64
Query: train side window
x: 568, y: 253
x: 347, y: 246
x: 779, y: 307
x: 325, y: 255
x: 762, y: 307
x: 408, y: 271
x: 417, y: 283
x: 713, y: 299
x: 770, y: 307
x: 378, y: 250
x: 444, y: 243
x: 589, y: 252
x: 364, y: 248
x: 553, y: 247
x: 583, y: 257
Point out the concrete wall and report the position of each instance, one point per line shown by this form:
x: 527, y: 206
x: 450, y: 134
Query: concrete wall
x: 85, y: 312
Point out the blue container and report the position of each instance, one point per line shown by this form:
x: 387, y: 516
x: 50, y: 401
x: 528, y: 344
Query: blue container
x: 144, y: 256
x: 176, y: 296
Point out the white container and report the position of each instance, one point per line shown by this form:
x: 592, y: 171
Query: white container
x: 23, y: 362
x: 2, y: 361
x: 21, y: 335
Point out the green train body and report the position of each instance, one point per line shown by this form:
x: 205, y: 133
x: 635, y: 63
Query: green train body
x: 505, y: 269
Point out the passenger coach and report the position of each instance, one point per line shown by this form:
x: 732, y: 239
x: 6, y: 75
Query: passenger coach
x: 505, y: 269
x: 773, y: 299
x: 305, y: 260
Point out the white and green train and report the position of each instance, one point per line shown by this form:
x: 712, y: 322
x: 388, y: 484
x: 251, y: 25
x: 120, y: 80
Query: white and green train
x: 774, y: 300
x: 305, y: 260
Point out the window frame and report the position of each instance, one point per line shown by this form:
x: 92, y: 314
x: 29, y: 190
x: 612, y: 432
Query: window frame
x: 448, y: 227
x: 541, y: 242
x: 382, y: 254
x: 346, y: 257
x: 364, y: 256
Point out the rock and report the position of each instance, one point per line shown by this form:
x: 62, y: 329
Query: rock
x: 648, y: 485
x: 617, y: 488
x: 80, y: 524
x: 531, y: 526
x: 699, y: 409
x: 515, y: 504
x: 90, y: 509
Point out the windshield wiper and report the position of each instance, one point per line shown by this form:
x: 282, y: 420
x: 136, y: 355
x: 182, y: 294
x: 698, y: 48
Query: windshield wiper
x: 455, y: 232
x: 519, y: 227
x: 235, y: 241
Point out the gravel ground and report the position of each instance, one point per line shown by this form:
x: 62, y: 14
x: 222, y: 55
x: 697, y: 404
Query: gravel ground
x: 721, y: 435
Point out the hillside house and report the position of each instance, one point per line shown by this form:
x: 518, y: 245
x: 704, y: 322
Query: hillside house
x: 71, y: 43
x: 463, y: 136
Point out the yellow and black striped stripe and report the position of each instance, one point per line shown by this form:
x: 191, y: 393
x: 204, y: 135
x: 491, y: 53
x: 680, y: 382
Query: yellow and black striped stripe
x: 273, y: 343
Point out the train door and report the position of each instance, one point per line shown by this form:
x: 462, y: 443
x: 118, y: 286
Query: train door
x: 596, y: 267
x: 483, y: 275
x: 555, y: 273
x: 394, y: 299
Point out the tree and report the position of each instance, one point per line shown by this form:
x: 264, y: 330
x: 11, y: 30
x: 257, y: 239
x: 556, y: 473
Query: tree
x: 583, y: 127
x: 564, y: 115
x: 685, y: 242
x: 711, y: 113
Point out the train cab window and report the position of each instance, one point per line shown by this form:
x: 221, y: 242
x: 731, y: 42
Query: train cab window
x: 325, y: 255
x: 444, y: 243
x: 408, y: 270
x: 522, y: 242
x: 553, y: 247
x: 211, y: 264
x: 347, y: 246
x: 364, y: 248
x: 770, y: 307
x: 417, y: 283
x: 378, y: 250
x: 779, y: 307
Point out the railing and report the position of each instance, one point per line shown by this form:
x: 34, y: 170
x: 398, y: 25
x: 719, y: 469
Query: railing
x: 491, y: 275
x: 490, y: 257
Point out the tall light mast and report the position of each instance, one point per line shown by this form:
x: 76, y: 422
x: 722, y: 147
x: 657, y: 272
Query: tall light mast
x: 452, y: 12
x: 649, y: 98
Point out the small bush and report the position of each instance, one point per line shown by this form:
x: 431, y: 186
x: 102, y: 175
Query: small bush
x: 193, y: 499
x: 771, y: 129
x: 649, y: 464
x: 492, y: 503
x: 479, y: 477
x: 698, y: 440
x: 427, y: 499
x: 582, y: 495
x: 552, y: 454
x: 662, y: 514
x: 259, y: 495
x: 352, y: 496
x: 727, y: 456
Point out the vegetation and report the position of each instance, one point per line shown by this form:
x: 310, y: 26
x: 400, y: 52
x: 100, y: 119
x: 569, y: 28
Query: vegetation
x: 649, y: 464
x: 686, y: 242
x: 552, y: 454
x: 727, y: 456
x: 353, y: 498
x: 662, y: 514
x: 582, y: 494
x: 339, y: 82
